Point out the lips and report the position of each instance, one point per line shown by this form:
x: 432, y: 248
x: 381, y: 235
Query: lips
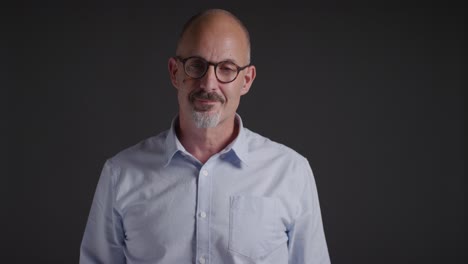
x: 204, y: 101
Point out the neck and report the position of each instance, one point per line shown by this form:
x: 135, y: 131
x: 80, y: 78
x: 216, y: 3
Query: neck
x: 203, y: 143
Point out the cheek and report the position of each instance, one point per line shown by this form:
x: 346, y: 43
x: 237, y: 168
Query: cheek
x: 233, y: 93
x: 184, y: 86
x: 233, y: 98
x: 181, y: 80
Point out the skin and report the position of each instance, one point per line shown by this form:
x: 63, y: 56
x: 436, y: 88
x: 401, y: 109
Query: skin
x: 215, y: 37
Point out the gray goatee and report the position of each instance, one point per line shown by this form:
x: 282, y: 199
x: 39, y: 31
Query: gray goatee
x: 205, y: 119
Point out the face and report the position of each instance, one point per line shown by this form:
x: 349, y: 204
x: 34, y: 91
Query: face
x: 207, y: 102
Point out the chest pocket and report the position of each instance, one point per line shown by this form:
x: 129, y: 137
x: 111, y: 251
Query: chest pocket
x: 255, y: 229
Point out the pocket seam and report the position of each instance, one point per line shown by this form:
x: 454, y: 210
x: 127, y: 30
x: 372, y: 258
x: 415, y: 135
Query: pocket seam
x: 234, y: 208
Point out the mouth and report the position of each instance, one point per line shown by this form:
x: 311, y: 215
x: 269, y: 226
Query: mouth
x: 205, y: 102
x: 204, y: 105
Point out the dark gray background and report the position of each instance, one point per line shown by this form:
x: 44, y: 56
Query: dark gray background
x: 370, y: 94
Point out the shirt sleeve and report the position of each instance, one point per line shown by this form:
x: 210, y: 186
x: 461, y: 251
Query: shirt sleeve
x: 103, y: 239
x: 307, y: 242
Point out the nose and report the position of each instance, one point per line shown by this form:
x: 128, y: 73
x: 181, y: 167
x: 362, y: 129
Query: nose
x: 209, y: 81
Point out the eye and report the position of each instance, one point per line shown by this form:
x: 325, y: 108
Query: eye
x: 195, y: 66
x: 196, y: 63
x: 227, y: 67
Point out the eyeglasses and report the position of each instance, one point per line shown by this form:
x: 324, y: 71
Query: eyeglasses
x: 196, y: 67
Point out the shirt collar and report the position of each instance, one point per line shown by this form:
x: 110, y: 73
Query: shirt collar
x: 172, y: 143
x: 238, y: 145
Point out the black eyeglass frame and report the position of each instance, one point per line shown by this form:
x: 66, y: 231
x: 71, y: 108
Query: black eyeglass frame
x: 215, y: 65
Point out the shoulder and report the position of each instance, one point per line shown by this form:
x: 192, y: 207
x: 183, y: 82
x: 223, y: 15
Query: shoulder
x: 259, y: 145
x: 148, y: 151
x: 278, y: 159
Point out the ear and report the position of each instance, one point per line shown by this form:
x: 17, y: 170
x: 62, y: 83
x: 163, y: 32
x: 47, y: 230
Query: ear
x: 249, y: 77
x: 173, y: 69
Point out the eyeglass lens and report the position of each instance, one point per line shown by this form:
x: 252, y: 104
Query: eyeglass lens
x: 197, y: 67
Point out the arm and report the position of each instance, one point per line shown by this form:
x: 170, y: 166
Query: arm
x: 307, y: 242
x: 103, y: 239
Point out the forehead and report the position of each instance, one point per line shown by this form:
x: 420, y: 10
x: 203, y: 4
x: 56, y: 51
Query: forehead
x: 215, y: 39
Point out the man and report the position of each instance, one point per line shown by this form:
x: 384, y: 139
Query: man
x: 207, y: 190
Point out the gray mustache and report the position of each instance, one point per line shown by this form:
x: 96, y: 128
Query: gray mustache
x: 206, y: 96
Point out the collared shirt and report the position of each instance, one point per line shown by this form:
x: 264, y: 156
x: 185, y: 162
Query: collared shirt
x: 254, y: 202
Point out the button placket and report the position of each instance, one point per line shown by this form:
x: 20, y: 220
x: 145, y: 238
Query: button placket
x: 203, y: 213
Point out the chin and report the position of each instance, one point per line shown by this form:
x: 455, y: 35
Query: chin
x: 206, y: 119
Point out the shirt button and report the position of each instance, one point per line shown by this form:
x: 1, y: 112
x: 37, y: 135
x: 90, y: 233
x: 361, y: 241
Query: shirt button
x: 202, y: 214
x: 205, y: 172
x: 202, y: 260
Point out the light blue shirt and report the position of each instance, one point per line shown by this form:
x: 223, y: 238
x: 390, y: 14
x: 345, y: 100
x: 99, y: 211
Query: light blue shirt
x: 254, y: 202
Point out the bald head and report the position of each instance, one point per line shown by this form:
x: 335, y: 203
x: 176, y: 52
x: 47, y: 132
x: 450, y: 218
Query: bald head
x: 213, y: 20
